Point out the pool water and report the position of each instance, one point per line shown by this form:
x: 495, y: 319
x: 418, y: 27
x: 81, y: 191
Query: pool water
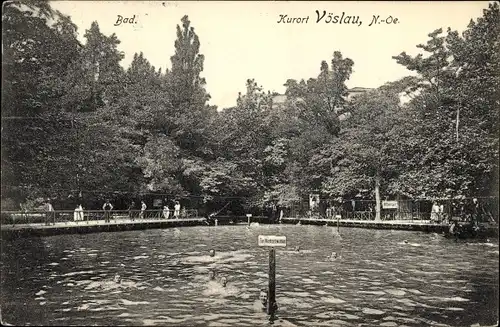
x: 381, y: 278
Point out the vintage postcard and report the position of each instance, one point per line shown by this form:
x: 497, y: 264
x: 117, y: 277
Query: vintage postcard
x: 250, y: 163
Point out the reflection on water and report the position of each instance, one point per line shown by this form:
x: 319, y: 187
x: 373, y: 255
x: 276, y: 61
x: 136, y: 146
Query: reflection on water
x: 380, y: 278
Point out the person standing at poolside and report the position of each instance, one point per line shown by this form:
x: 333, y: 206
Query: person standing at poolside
x: 479, y: 212
x: 177, y: 209
x: 78, y: 214
x: 166, y: 211
x: 143, y: 209
x: 50, y: 214
x: 441, y: 212
x: 435, y: 212
x: 131, y: 210
x: 107, y: 207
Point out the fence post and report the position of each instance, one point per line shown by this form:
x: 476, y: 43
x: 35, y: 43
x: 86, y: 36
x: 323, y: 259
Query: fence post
x: 271, y: 299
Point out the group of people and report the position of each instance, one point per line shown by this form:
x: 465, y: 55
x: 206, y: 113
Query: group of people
x: 469, y: 210
x: 177, y: 210
x: 437, y: 212
x: 78, y: 214
x: 222, y: 280
x: 212, y: 276
x: 165, y: 210
x: 107, y: 207
x: 131, y: 210
x: 331, y: 212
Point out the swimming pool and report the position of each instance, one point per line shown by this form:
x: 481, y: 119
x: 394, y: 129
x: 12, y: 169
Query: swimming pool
x: 384, y: 278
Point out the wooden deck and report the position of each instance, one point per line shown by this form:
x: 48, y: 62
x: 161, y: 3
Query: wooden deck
x: 417, y: 225
x: 92, y: 226
x: 123, y: 223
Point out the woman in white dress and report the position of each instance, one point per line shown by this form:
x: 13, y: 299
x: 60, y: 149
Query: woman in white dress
x: 435, y: 212
x: 143, y: 209
x: 177, y: 209
x: 78, y: 215
x: 166, y: 211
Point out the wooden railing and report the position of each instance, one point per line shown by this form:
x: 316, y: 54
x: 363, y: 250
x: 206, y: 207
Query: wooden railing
x: 57, y: 216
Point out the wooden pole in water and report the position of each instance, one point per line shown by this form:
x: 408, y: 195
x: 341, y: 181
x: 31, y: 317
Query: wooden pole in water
x: 338, y: 224
x: 271, y: 292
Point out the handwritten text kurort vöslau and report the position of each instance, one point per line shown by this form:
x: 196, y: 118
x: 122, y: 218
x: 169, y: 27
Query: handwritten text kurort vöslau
x: 331, y: 18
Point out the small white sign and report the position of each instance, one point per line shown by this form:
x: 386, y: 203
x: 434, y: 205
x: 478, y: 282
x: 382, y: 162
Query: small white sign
x: 249, y: 215
x: 272, y: 240
x: 389, y: 204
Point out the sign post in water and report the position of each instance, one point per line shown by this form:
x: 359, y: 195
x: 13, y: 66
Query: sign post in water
x: 272, y: 241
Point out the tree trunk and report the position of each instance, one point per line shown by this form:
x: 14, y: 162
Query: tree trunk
x: 377, y: 198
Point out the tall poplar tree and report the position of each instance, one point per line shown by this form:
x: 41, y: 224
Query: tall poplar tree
x: 186, y: 90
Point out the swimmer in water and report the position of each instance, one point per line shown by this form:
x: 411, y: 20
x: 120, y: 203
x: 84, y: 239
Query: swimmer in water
x: 223, y: 281
x: 263, y: 297
x: 334, y: 256
x: 117, y: 279
x: 297, y: 249
x: 211, y: 275
x: 212, y: 252
x: 405, y: 241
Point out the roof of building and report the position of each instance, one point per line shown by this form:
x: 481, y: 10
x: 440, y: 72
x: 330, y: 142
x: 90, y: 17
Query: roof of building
x: 281, y: 98
x: 360, y: 89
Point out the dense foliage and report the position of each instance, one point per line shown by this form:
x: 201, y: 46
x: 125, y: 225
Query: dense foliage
x: 75, y: 123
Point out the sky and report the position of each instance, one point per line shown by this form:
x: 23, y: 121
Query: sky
x: 242, y: 40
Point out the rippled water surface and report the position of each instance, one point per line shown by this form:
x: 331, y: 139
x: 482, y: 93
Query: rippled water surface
x: 383, y: 278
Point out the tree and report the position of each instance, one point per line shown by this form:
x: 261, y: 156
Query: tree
x: 161, y: 164
x: 172, y: 111
x: 96, y: 77
x: 324, y: 98
x: 240, y: 136
x: 187, y: 65
x: 39, y: 45
x: 186, y: 90
x: 362, y: 158
x: 310, y: 122
x: 454, y: 143
x: 433, y: 68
